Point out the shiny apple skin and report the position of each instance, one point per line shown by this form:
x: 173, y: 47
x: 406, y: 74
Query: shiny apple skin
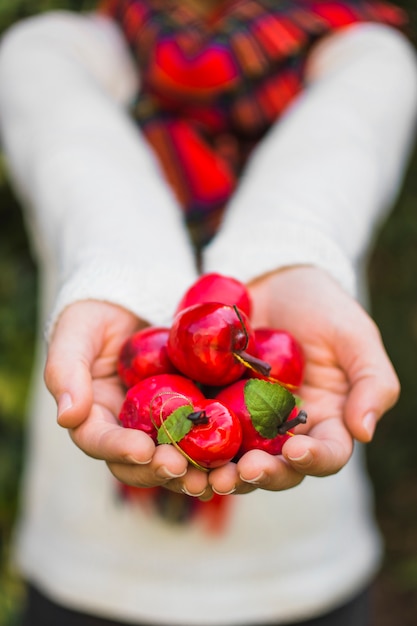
x: 144, y: 354
x: 155, y: 398
x: 202, y: 341
x: 216, y: 443
x: 213, y: 287
x: 283, y: 353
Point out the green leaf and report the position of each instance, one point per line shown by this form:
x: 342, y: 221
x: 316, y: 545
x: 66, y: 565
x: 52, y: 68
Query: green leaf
x: 269, y: 404
x: 176, y: 426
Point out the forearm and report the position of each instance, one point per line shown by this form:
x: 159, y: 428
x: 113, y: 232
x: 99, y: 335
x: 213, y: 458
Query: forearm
x: 323, y: 178
x: 97, y: 202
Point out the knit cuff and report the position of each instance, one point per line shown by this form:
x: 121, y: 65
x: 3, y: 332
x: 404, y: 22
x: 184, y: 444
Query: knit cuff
x: 152, y: 296
x: 270, y: 249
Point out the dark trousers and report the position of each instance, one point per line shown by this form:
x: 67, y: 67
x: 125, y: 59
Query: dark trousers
x: 40, y: 611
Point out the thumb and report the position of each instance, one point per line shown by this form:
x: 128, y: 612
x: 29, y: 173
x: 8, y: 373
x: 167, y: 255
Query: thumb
x: 375, y: 389
x: 67, y: 371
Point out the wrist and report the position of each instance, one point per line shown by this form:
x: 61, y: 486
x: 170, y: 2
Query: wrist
x: 269, y: 250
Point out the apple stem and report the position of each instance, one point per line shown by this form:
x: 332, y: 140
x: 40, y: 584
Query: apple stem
x: 198, y: 417
x: 301, y: 418
x: 245, y: 330
x: 259, y: 366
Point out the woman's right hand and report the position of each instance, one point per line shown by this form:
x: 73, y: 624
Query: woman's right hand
x: 81, y: 374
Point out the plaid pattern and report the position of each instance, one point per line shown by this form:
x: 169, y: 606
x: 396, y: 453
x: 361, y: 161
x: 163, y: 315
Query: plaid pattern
x: 212, y: 87
x: 210, y: 90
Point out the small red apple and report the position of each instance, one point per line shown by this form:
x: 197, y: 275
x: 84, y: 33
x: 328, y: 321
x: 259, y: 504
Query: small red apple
x: 213, y: 343
x: 156, y: 397
x: 210, y: 434
x: 283, y: 353
x: 172, y: 410
x: 215, y: 287
x: 266, y: 411
x: 144, y: 354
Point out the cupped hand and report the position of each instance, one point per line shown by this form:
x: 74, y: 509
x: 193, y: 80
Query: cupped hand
x: 349, y: 384
x: 81, y: 374
x: 349, y: 380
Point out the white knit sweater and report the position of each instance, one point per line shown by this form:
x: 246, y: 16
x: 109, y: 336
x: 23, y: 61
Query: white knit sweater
x: 105, y: 225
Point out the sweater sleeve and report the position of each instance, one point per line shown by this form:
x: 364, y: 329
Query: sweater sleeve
x: 319, y: 184
x: 96, y: 200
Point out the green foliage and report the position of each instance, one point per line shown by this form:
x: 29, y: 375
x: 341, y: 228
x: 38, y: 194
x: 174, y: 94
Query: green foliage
x: 13, y: 10
x: 17, y: 324
x: 176, y: 425
x: 269, y: 405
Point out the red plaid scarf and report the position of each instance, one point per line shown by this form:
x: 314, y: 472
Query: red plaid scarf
x: 212, y: 87
x: 210, y: 90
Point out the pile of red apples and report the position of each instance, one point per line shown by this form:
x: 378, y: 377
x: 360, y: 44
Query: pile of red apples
x: 211, y: 384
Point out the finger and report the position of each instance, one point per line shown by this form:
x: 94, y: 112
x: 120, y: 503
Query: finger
x: 171, y: 474
x: 67, y: 371
x: 369, y: 399
x: 265, y: 471
x: 171, y: 465
x: 166, y: 464
x: 324, y: 452
x: 225, y: 480
x: 194, y: 483
x: 168, y: 468
x: 100, y: 437
x: 374, y: 388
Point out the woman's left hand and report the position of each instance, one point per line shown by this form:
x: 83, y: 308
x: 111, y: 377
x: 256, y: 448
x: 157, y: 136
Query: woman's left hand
x: 349, y: 380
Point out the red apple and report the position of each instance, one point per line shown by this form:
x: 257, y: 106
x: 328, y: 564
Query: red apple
x: 215, y: 287
x: 283, y: 353
x: 144, y: 354
x: 266, y: 411
x: 212, y: 343
x: 154, y: 398
x: 212, y: 436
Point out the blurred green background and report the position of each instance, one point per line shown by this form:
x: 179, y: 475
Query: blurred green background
x: 392, y: 457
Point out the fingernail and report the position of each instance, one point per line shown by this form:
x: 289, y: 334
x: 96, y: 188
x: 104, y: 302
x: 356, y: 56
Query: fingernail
x: 224, y: 493
x: 131, y: 459
x: 303, y: 459
x: 164, y: 472
x: 193, y: 495
x: 254, y: 481
x: 369, y: 424
x: 64, y: 403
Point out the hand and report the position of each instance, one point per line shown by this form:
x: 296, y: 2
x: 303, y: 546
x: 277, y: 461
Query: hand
x: 349, y: 380
x: 81, y: 374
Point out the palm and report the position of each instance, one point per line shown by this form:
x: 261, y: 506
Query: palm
x: 277, y: 304
x: 326, y: 384
x: 349, y: 381
x: 346, y: 364
x: 83, y: 357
